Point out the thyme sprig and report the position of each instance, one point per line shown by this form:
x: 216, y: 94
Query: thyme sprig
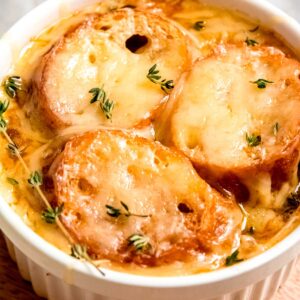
x: 251, y: 42
x: 253, y: 140
x: 3, y: 124
x: 140, y: 242
x: 116, y: 212
x: 165, y: 85
x: 199, y: 25
x: 261, y: 83
x: 233, y: 259
x: 106, y: 105
x: 12, y: 181
x: 4, y: 106
x: 35, y: 178
x: 12, y: 85
x: 13, y: 149
x: 49, y: 215
x: 80, y: 252
x: 276, y: 128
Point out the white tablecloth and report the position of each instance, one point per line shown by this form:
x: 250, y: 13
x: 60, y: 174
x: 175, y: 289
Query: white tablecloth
x: 12, y: 10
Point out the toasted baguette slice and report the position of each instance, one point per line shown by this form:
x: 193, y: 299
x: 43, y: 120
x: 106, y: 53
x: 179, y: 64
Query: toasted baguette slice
x: 114, y: 52
x: 228, y: 126
x: 180, y: 215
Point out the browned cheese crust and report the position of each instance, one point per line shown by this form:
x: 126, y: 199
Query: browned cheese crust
x: 229, y: 127
x: 113, y: 51
x: 186, y: 218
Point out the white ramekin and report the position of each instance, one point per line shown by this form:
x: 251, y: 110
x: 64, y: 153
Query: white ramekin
x: 56, y: 275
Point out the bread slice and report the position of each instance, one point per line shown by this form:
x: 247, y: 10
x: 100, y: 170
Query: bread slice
x: 113, y: 52
x: 180, y: 216
x: 232, y: 126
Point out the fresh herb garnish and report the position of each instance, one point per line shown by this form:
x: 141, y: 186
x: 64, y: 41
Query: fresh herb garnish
x: 106, y: 104
x: 233, y: 259
x: 12, y: 181
x: 112, y: 211
x: 116, y: 212
x: 3, y: 106
x: 80, y: 252
x: 254, y: 29
x: 199, y: 25
x: 253, y: 140
x: 12, y: 85
x: 140, y: 242
x: 251, y: 42
x: 3, y: 124
x: 276, y: 128
x: 50, y: 214
x: 153, y: 75
x: 261, y: 83
x: 35, y: 179
x: 13, y: 149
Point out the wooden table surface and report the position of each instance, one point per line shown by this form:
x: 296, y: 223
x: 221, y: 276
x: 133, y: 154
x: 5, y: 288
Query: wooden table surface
x: 13, y: 287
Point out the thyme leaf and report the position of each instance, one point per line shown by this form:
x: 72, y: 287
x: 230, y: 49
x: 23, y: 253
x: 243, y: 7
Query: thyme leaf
x: 140, y: 242
x: 261, y: 83
x: 106, y: 104
x: 112, y: 211
x: 35, y: 179
x: 12, y: 181
x: 199, y: 25
x: 153, y: 76
x: 251, y: 42
x: 253, y: 140
x: 276, y: 128
x: 80, y: 252
x: 49, y: 215
x: 12, y: 85
x: 233, y: 259
x: 116, y: 212
x: 13, y: 149
x: 4, y: 106
x: 3, y: 124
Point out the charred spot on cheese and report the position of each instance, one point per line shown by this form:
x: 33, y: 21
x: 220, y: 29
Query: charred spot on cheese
x: 224, y: 125
x: 136, y: 202
x: 114, y: 50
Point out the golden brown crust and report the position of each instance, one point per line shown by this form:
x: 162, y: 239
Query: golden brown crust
x: 94, y: 54
x: 217, y: 104
x: 186, y: 216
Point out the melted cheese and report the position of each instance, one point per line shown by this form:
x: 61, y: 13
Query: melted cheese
x: 221, y: 26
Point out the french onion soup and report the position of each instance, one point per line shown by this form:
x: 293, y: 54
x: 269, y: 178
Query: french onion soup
x: 154, y: 137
